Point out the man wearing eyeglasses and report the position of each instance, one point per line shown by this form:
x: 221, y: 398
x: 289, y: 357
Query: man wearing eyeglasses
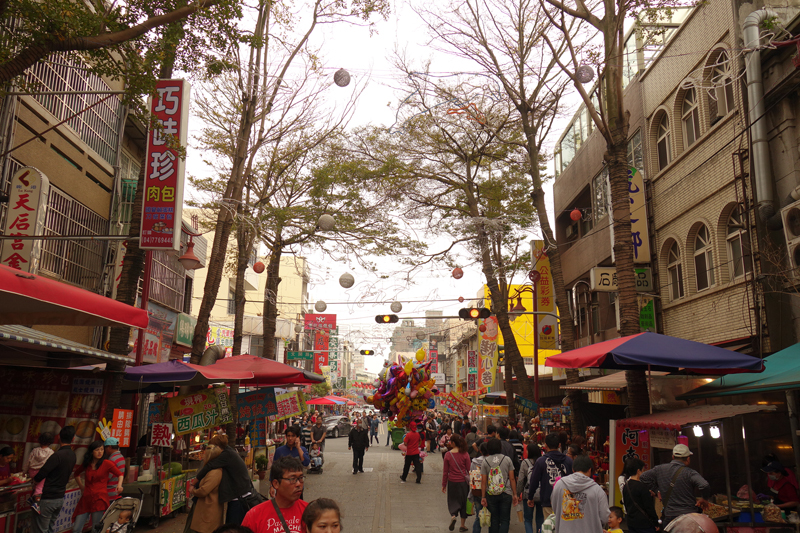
x: 282, y: 514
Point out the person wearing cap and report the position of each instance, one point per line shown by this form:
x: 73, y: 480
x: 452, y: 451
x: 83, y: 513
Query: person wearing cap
x: 684, y: 481
x: 781, y: 486
x: 111, y: 445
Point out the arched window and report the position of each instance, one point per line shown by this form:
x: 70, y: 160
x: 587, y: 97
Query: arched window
x: 738, y: 246
x: 703, y: 259
x: 663, y: 143
x: 675, y: 272
x: 690, y: 116
x: 722, y: 102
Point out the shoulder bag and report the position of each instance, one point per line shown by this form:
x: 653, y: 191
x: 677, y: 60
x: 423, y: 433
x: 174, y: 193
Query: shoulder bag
x: 252, y: 499
x: 630, y: 492
x: 460, y: 470
x: 665, y: 500
x: 280, y: 515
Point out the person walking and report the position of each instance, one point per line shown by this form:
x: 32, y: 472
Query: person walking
x: 444, y: 441
x: 476, y: 494
x: 471, y: 438
x: 529, y: 512
x: 358, y: 441
x: 508, y: 449
x: 287, y: 507
x: 677, y: 483
x: 638, y: 501
x: 293, y: 448
x: 111, y: 445
x: 580, y: 505
x: 455, y: 481
x: 235, y: 484
x: 498, y: 487
x: 374, y: 424
x: 207, y: 509
x: 389, y: 428
x: 547, y: 468
x: 56, y: 473
x: 94, y: 489
x: 431, y: 429
x: 318, y: 434
x: 412, y: 443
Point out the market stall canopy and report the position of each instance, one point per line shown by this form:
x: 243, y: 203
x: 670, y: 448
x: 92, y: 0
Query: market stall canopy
x: 494, y: 398
x: 268, y: 373
x: 28, y: 299
x: 22, y: 346
x: 611, y: 382
x: 656, y: 352
x: 328, y: 400
x: 781, y: 372
x: 691, y: 415
x: 180, y: 373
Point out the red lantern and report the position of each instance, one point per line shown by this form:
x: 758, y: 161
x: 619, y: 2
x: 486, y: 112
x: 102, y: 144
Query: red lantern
x: 482, y: 328
x: 259, y: 267
x: 458, y: 273
x: 576, y: 215
x: 461, y: 299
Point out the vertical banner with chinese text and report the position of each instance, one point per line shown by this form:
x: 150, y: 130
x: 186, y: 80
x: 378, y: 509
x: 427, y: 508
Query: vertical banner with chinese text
x: 488, y: 352
x: 321, y: 326
x: 472, y: 371
x: 630, y: 443
x: 547, y: 325
x: 27, y: 207
x: 163, y: 193
x: 121, y: 426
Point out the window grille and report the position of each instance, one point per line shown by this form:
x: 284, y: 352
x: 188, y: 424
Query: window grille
x: 77, y: 262
x: 129, y: 179
x: 5, y: 187
x: 168, y: 279
x: 98, y: 126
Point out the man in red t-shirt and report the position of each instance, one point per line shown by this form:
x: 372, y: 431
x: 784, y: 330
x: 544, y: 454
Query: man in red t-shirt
x: 287, y: 482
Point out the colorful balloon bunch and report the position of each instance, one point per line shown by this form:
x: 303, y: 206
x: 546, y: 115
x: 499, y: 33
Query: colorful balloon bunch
x: 405, y: 392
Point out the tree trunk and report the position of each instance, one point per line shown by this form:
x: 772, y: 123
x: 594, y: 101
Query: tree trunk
x: 509, y: 386
x: 244, y: 247
x: 271, y: 299
x: 566, y: 325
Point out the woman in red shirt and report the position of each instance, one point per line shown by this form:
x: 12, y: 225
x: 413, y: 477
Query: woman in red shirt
x: 412, y: 442
x: 94, y: 498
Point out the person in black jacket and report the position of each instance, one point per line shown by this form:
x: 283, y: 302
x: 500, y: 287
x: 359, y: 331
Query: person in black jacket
x: 638, y: 501
x: 358, y: 441
x: 235, y: 482
x: 56, y: 473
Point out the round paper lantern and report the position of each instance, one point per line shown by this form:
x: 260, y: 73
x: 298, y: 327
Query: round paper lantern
x: 584, y: 73
x: 320, y: 306
x: 346, y: 280
x: 258, y: 267
x: 341, y: 78
x: 298, y: 328
x: 576, y: 215
x: 396, y: 307
x: 461, y: 299
x: 420, y: 335
x: 458, y: 273
x: 326, y: 222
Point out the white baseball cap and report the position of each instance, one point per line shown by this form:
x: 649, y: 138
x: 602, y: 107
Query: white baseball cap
x: 681, y: 450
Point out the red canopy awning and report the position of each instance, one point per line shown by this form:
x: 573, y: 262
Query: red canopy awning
x: 266, y: 372
x: 691, y: 415
x: 27, y: 299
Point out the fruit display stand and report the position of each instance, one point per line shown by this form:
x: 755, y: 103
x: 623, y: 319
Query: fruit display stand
x: 161, y: 497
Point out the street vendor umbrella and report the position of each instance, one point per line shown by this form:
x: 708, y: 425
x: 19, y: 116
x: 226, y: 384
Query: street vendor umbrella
x: 28, y: 299
x: 181, y: 373
x: 651, y: 351
x: 268, y: 373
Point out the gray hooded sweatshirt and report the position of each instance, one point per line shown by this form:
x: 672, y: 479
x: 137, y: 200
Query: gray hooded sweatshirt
x: 580, y: 505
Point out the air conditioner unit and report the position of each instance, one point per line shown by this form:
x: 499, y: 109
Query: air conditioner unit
x: 791, y: 231
x: 572, y: 231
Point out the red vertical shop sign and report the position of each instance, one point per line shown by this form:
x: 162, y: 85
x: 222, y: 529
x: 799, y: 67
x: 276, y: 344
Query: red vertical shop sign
x: 163, y: 193
x: 122, y: 425
x: 321, y: 327
x: 27, y: 206
x: 631, y: 443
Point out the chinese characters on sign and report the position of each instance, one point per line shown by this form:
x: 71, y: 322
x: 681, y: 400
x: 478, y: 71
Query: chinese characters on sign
x: 488, y: 353
x: 225, y: 414
x: 630, y: 443
x: 639, y: 233
x: 191, y: 412
x: 455, y: 404
x: 27, y: 206
x: 604, y: 279
x: 546, y: 325
x: 87, y: 386
x: 218, y: 336
x: 163, y: 193
x: 161, y: 435
x: 122, y: 425
x: 472, y: 371
x: 288, y: 406
x: 527, y: 407
x: 315, y: 321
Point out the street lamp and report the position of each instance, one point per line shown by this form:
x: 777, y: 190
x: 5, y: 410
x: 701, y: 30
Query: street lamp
x: 188, y: 260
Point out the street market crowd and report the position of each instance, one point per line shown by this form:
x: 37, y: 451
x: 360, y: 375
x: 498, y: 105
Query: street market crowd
x: 485, y: 474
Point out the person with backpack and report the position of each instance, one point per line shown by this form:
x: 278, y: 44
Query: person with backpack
x: 579, y: 503
x: 476, y: 485
x: 546, y: 471
x: 499, y: 487
x: 524, y: 473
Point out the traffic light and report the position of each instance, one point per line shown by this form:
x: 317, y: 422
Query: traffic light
x: 501, y: 353
x: 473, y: 313
x: 386, y: 319
x: 367, y: 352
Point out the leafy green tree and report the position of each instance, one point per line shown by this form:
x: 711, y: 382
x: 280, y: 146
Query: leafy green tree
x: 320, y: 389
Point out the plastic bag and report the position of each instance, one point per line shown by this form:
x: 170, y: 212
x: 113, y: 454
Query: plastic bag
x: 470, y: 507
x: 485, y: 517
x: 772, y: 513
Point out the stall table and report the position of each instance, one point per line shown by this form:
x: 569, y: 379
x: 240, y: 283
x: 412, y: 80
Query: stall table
x: 15, y: 513
x: 161, y: 498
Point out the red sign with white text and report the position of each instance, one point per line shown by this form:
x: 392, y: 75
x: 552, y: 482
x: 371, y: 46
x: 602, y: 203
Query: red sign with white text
x: 122, y: 426
x: 314, y: 321
x: 163, y: 193
x: 321, y: 346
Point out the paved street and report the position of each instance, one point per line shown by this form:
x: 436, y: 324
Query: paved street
x: 375, y: 501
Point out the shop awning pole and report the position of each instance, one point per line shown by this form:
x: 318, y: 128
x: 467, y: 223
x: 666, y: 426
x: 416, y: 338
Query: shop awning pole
x: 747, y: 471
x: 727, y: 471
